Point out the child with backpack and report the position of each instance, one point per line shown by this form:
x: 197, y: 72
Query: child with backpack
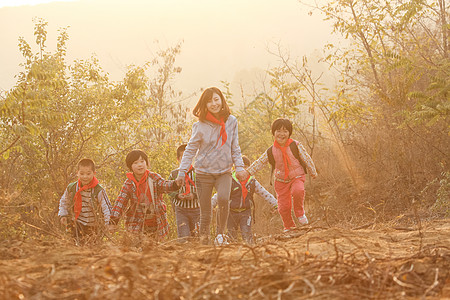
x: 185, y: 202
x: 214, y: 144
x: 291, y: 162
x: 242, y: 205
x: 141, y: 198
x: 84, y: 201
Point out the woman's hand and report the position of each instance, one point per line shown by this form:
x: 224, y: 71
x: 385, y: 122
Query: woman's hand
x: 180, y: 182
x: 242, y: 175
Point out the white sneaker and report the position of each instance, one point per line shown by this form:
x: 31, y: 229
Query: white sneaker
x: 220, y: 240
x: 303, y: 220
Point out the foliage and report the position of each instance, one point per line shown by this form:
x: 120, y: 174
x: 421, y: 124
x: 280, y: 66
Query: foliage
x: 58, y: 113
x: 441, y: 206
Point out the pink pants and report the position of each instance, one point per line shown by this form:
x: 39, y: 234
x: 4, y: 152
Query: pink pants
x: 287, y: 193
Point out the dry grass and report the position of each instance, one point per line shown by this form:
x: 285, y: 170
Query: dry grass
x: 312, y: 263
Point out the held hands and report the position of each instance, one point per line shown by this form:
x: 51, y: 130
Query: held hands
x: 242, y: 175
x: 180, y: 182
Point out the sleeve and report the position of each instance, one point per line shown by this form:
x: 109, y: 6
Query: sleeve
x: 105, y: 204
x: 258, y: 164
x: 173, y: 176
x: 261, y: 191
x: 191, y: 149
x: 307, y: 160
x: 64, y: 204
x: 236, y: 154
x: 162, y: 185
x: 120, y: 204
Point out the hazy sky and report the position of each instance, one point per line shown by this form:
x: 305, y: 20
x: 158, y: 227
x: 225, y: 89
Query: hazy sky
x: 222, y: 39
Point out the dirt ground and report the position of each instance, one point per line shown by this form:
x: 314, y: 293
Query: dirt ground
x: 377, y: 262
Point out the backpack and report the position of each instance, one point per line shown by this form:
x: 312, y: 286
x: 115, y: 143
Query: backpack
x: 236, y: 185
x: 294, y: 150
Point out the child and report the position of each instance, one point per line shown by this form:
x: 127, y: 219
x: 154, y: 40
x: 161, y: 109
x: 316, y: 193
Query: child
x: 291, y: 163
x: 185, y: 201
x: 214, y: 142
x: 83, y: 200
x: 242, y: 203
x: 141, y: 198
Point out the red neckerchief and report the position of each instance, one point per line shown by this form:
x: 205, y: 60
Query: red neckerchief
x: 140, y: 186
x: 223, y: 133
x: 286, y: 160
x: 188, y: 182
x: 244, y: 188
x: 78, y: 199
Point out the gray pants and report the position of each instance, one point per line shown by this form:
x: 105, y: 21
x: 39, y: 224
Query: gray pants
x: 187, y: 221
x: 241, y: 220
x: 205, y: 185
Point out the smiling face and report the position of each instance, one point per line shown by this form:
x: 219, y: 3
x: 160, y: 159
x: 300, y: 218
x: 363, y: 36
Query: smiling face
x: 139, y: 167
x: 281, y: 136
x: 214, y: 105
x: 85, y: 174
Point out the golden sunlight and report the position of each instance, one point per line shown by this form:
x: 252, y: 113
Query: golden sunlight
x: 27, y: 2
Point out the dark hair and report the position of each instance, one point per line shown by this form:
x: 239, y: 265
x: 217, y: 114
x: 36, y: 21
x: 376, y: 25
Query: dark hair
x: 200, y: 109
x: 134, y: 156
x: 246, y: 160
x: 180, y: 150
x: 86, y: 162
x: 280, y: 123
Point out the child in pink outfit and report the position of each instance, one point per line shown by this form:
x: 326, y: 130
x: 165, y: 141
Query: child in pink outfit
x: 291, y: 162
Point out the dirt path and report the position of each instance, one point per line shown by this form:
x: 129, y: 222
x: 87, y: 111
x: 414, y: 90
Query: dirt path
x: 311, y: 263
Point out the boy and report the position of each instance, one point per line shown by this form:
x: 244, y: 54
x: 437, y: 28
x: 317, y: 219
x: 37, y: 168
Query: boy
x: 141, y: 198
x: 291, y: 162
x: 83, y: 200
x: 241, y: 204
x: 185, y: 201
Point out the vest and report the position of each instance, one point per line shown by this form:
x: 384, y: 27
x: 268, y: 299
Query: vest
x: 294, y: 150
x: 72, y: 189
x: 236, y: 200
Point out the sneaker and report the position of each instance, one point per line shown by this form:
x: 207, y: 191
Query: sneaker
x: 220, y: 240
x: 303, y: 220
x: 289, y: 229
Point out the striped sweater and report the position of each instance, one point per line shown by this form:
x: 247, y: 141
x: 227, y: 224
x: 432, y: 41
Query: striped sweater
x: 89, y: 209
x: 174, y: 195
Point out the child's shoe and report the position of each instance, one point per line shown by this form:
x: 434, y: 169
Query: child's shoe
x: 288, y: 229
x: 303, y: 220
x: 220, y: 240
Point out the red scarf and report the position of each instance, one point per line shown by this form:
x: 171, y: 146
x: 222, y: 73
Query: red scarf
x: 286, y: 160
x: 244, y: 188
x: 78, y: 199
x: 188, y: 182
x: 140, y: 186
x: 223, y: 133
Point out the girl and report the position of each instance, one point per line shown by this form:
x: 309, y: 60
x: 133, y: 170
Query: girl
x: 141, y: 198
x: 214, y: 143
x: 291, y: 163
